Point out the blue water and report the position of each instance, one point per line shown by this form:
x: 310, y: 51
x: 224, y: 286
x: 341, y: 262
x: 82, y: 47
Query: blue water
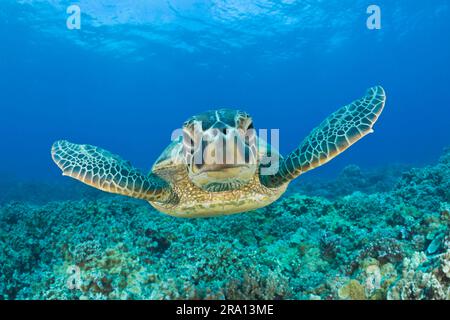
x: 137, y: 69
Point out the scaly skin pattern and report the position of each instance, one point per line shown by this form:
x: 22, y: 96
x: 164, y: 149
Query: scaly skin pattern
x: 170, y: 190
x: 108, y: 172
x: 195, y: 202
x: 333, y: 136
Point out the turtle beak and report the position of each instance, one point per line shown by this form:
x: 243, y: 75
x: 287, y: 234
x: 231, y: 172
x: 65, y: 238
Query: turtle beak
x: 223, y: 151
x: 223, y: 157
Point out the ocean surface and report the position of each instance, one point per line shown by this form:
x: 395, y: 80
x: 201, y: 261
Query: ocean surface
x: 371, y: 224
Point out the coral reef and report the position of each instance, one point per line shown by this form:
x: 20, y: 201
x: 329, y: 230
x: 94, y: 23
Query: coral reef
x: 352, y: 178
x: 376, y: 243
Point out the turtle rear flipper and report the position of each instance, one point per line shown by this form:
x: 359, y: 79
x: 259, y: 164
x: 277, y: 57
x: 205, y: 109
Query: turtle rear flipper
x: 108, y: 172
x: 334, y: 135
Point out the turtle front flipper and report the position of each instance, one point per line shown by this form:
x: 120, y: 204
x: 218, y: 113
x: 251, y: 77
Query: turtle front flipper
x: 334, y: 135
x: 108, y: 172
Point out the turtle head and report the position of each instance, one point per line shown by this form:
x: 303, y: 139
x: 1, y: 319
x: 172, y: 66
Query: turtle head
x: 220, y: 149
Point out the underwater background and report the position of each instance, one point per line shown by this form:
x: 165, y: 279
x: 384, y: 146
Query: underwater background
x: 371, y: 224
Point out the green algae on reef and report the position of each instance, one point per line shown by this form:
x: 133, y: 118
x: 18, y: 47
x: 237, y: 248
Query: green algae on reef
x: 384, y: 245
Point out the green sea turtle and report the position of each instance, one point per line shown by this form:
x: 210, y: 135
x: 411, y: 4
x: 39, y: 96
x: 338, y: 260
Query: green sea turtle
x: 181, y: 185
